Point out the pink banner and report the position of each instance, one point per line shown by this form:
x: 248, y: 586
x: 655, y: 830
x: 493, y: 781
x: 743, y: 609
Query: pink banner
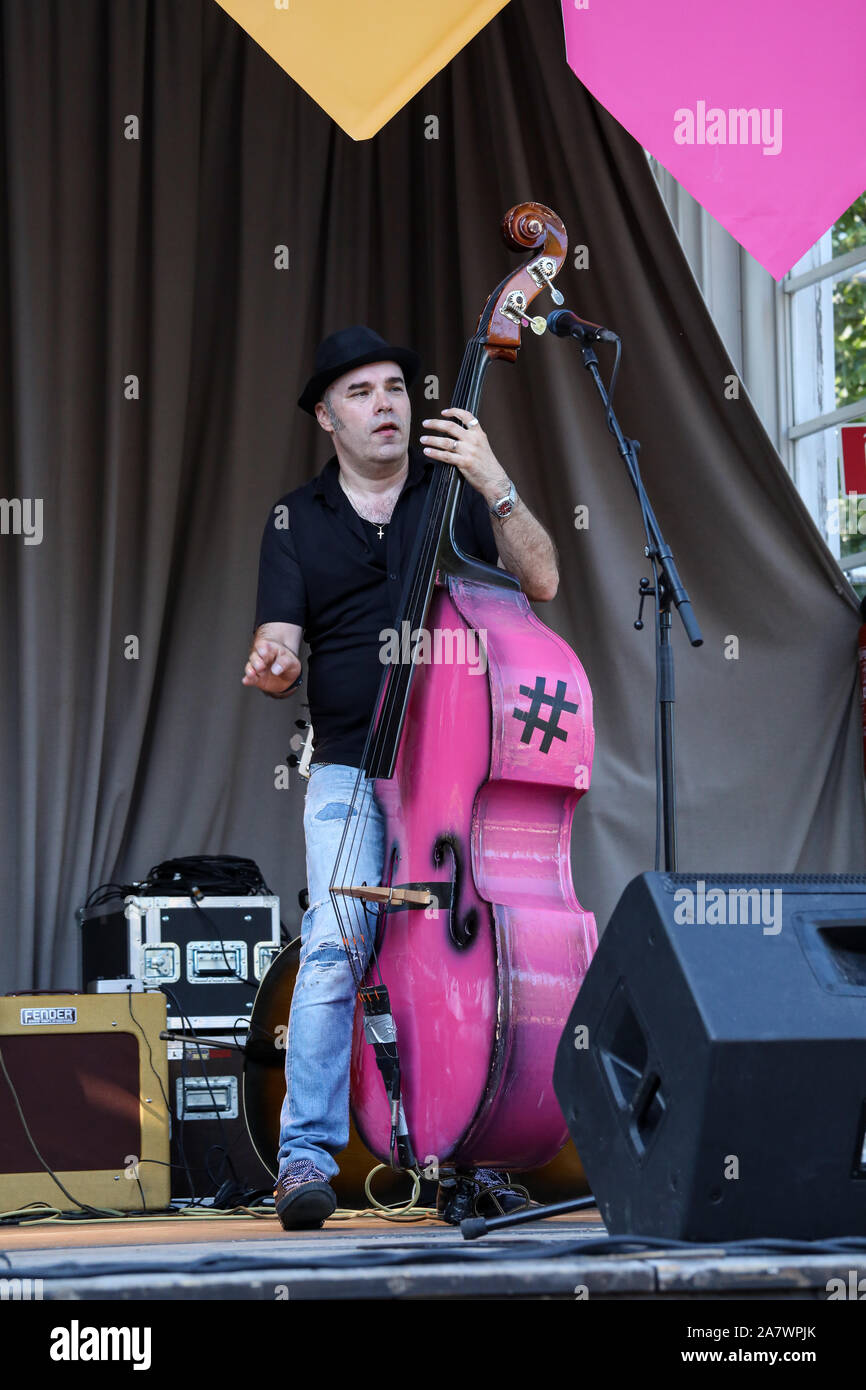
x: 757, y: 107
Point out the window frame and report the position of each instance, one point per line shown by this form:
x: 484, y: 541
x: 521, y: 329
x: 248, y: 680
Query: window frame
x: 818, y: 268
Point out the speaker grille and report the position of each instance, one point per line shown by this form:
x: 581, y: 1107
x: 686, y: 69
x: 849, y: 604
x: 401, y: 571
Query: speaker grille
x: 80, y: 1096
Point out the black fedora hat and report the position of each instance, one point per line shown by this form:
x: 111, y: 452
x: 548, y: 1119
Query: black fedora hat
x: 348, y: 348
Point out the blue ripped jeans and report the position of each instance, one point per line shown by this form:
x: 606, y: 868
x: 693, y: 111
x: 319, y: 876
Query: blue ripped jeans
x: 314, y: 1120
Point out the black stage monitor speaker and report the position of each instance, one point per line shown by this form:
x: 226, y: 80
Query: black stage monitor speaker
x: 712, y: 1072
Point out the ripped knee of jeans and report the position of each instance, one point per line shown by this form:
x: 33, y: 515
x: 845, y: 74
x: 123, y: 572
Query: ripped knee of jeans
x: 336, y: 810
x: 326, y: 954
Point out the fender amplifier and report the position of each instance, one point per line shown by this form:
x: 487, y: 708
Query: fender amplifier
x: 90, y: 1075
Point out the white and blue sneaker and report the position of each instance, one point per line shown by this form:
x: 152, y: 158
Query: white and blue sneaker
x: 303, y: 1195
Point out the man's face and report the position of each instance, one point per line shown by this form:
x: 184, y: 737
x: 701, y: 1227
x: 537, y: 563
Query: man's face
x: 369, y: 414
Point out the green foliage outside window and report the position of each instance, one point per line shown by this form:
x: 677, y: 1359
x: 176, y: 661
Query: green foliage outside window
x: 849, y: 330
x: 849, y: 308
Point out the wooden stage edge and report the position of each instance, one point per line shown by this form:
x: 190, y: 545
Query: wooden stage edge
x: 356, y: 1256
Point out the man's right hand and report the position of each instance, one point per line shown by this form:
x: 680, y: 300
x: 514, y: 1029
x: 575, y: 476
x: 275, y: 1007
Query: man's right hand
x: 272, y: 666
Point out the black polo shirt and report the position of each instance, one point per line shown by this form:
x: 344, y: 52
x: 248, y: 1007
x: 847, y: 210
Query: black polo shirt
x: 327, y: 570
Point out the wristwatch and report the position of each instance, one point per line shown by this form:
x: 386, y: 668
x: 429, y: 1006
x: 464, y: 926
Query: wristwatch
x: 504, y: 506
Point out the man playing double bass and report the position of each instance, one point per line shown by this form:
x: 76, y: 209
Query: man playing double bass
x: 334, y: 555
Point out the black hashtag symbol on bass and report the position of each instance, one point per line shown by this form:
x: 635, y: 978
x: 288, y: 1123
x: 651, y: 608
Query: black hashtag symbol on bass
x: 558, y: 705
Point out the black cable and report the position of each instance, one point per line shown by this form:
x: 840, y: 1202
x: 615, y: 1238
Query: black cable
x: 181, y: 1122
x: 213, y: 875
x: 189, y: 1028
x: 227, y: 1162
x: 180, y: 1146
x: 218, y: 1180
x: 181, y: 1117
x: 103, y: 894
x: 227, y: 1156
x: 610, y: 389
x: 149, y: 1048
x: 161, y: 1087
x: 163, y: 1163
x: 226, y: 1152
x: 216, y: 875
x: 215, y: 931
x: 195, y: 876
x: 177, y: 1035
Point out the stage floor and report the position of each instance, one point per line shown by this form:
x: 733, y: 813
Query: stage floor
x: 356, y: 1256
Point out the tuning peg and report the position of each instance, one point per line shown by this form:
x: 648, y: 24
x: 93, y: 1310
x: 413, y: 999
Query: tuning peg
x: 542, y: 272
x: 555, y: 295
x: 514, y: 308
x: 302, y: 724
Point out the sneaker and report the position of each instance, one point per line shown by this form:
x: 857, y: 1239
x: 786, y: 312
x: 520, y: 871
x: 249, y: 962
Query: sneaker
x: 303, y: 1195
x: 495, y: 1195
x: 484, y: 1192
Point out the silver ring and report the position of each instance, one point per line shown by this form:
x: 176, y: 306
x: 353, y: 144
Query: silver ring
x: 453, y: 445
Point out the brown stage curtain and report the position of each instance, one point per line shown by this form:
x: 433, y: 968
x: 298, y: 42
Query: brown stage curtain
x: 155, y: 257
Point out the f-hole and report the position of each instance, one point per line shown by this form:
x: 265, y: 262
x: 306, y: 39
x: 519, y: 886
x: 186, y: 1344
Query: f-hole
x: 462, y: 933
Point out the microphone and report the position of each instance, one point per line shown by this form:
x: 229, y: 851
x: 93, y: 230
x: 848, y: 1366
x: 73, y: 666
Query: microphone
x: 564, y: 324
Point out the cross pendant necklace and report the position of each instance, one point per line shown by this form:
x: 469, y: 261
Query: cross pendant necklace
x: 380, y: 525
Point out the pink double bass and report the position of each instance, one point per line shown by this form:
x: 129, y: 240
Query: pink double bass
x: 480, y: 942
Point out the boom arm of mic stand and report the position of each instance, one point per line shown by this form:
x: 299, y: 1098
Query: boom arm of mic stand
x: 659, y: 549
x: 670, y: 589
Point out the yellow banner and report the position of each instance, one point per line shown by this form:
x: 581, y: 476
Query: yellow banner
x: 362, y: 60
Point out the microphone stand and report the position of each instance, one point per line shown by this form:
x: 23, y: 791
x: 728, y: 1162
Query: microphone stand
x: 668, y: 589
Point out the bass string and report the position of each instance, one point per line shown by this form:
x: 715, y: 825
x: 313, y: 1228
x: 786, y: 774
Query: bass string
x: 465, y: 393
x: 353, y: 913
x: 420, y: 579
x: 346, y: 855
x: 446, y: 480
x: 399, y: 676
